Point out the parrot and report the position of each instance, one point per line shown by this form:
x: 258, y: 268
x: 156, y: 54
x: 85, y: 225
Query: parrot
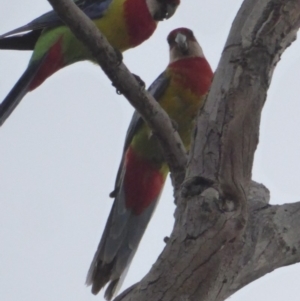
x: 125, y: 24
x: 180, y: 90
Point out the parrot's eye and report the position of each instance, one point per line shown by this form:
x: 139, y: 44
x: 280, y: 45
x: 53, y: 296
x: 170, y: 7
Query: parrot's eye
x: 171, y: 40
x: 189, y: 33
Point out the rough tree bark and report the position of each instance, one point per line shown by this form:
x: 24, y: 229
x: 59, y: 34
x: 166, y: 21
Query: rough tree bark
x: 225, y: 235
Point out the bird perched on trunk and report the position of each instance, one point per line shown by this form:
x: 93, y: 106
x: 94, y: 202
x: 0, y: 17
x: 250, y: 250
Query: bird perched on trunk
x: 125, y: 23
x: 180, y: 90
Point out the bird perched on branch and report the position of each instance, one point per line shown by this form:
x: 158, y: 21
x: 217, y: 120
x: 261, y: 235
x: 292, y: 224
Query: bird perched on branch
x: 180, y: 90
x: 125, y: 24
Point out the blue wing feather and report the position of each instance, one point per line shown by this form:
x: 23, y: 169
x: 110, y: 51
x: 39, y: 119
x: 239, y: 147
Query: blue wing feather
x: 94, y: 9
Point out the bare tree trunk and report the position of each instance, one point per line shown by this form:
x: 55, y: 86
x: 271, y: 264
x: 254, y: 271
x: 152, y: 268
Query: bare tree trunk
x: 225, y: 235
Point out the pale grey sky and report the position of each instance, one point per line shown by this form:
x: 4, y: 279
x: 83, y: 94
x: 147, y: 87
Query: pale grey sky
x: 61, y: 148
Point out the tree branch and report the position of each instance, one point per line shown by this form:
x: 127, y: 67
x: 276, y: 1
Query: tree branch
x: 228, y: 128
x: 157, y: 119
x: 271, y: 241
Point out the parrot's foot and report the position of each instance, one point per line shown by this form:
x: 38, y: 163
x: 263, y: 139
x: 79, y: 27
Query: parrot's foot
x: 117, y: 90
x: 119, y: 56
x: 139, y: 80
x: 166, y: 239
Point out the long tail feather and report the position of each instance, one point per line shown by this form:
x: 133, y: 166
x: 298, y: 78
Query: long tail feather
x: 20, y: 89
x: 103, y: 271
x: 138, y: 191
x: 20, y: 42
x: 24, y: 28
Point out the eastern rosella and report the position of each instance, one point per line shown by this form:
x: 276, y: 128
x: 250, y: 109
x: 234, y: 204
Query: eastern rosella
x: 125, y: 23
x: 180, y: 90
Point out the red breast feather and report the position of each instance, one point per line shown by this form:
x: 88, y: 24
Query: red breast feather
x: 140, y: 24
x: 196, y: 74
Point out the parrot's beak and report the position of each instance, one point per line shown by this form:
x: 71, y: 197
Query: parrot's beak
x: 170, y: 11
x: 166, y: 12
x: 182, y: 43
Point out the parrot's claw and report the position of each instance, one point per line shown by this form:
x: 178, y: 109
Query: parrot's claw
x: 139, y: 80
x: 117, y: 90
x: 119, y: 56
